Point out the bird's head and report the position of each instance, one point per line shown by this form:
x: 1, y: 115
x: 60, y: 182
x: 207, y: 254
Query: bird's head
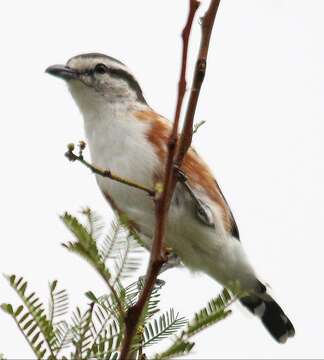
x: 96, y: 78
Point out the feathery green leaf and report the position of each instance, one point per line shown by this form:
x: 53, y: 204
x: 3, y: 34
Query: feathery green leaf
x: 158, y: 329
x: 85, y: 245
x: 36, y: 319
x: 27, y: 328
x: 216, y: 310
x: 58, y: 303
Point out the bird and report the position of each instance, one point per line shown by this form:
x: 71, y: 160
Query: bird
x: 127, y: 136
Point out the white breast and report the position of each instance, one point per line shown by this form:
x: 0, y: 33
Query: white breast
x: 118, y: 142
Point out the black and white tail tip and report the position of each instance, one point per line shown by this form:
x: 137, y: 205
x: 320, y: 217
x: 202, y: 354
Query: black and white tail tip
x: 271, y: 315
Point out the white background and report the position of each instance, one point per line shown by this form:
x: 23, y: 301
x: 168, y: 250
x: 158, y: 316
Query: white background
x: 263, y: 102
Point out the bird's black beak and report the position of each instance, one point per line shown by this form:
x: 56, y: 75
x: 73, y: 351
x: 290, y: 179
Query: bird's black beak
x: 62, y: 72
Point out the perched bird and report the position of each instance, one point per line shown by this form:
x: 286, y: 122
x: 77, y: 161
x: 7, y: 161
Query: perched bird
x: 127, y: 136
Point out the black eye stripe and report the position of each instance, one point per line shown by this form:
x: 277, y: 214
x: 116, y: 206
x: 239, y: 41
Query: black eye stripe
x: 130, y: 80
x: 117, y: 73
x: 124, y: 75
x: 120, y: 74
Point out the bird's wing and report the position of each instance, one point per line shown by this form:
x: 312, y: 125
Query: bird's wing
x: 195, y: 169
x: 200, y: 177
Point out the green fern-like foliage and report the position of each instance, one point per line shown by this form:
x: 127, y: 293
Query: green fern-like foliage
x: 216, y: 310
x: 58, y: 303
x: 120, y: 246
x: 81, y: 331
x: 27, y: 328
x: 96, y: 331
x: 42, y: 332
x: 130, y: 294
x: 85, y: 245
x: 111, y: 243
x: 179, y: 347
x: 105, y: 327
x: 163, y: 327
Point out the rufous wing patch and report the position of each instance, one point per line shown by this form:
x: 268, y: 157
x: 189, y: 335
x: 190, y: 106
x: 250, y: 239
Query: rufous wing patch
x: 198, y: 173
x: 158, y: 132
x: 200, y: 176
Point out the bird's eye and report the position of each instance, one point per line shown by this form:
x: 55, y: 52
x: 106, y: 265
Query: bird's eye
x: 100, y: 69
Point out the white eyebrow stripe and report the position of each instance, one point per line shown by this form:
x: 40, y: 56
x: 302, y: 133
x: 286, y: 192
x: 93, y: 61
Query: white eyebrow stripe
x: 87, y: 61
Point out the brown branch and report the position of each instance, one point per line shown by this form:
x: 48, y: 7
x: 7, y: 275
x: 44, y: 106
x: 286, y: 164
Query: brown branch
x: 199, y: 75
x: 182, y: 85
x: 162, y: 202
x: 103, y: 172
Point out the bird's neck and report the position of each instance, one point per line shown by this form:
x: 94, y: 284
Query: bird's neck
x: 111, y: 116
x: 112, y: 128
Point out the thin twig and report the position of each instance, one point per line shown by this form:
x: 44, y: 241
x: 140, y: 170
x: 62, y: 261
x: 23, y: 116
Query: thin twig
x: 162, y: 202
x: 199, y: 75
x: 104, y: 172
x: 197, y: 126
x: 182, y: 85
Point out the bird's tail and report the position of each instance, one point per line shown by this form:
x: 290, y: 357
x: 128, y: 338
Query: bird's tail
x: 271, y: 315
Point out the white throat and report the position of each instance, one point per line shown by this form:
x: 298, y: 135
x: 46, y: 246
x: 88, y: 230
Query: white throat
x: 116, y: 138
